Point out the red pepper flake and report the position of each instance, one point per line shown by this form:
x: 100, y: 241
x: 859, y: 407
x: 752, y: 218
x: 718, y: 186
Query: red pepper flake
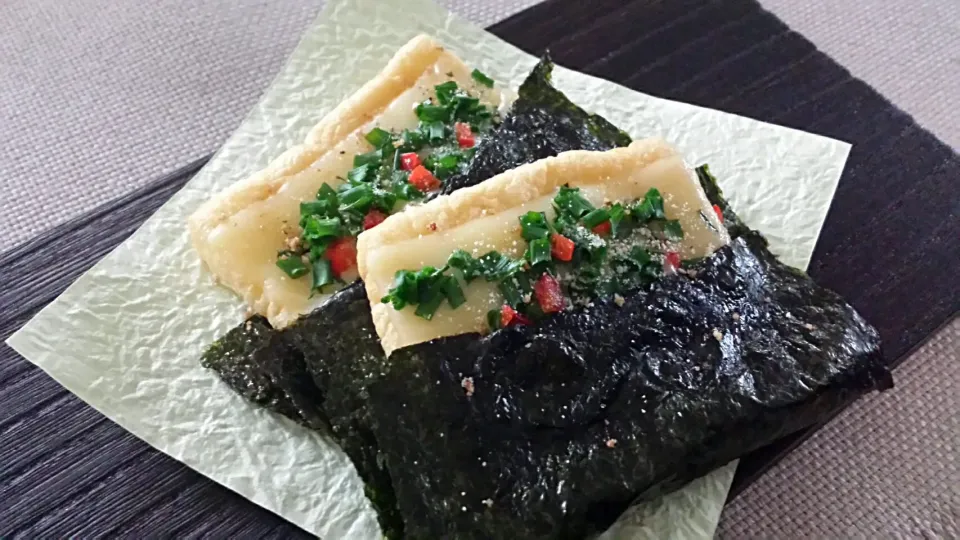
x: 342, y: 254
x: 464, y: 135
x: 719, y: 212
x: 671, y: 261
x: 373, y: 218
x: 409, y: 161
x: 423, y: 179
x: 561, y: 247
x: 548, y: 293
x: 603, y: 229
x: 432, y: 226
x: 510, y: 317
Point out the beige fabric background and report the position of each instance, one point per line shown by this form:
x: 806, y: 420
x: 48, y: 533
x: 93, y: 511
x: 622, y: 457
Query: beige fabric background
x: 97, y: 97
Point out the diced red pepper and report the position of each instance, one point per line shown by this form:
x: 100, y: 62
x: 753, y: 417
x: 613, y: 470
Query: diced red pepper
x: 510, y: 317
x: 603, y: 229
x: 719, y: 212
x: 464, y: 135
x: 373, y: 218
x: 548, y: 293
x: 342, y: 254
x: 561, y: 247
x: 671, y: 261
x: 423, y: 179
x: 409, y: 161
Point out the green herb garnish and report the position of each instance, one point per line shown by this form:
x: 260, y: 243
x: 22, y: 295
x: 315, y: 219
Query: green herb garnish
x: 292, y: 265
x: 377, y: 181
x: 482, y: 78
x: 594, y: 270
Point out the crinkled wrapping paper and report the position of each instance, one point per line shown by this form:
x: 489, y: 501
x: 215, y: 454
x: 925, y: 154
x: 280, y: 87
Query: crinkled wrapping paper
x: 127, y: 336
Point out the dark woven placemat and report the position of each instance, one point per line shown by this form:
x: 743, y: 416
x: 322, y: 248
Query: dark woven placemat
x: 889, y: 245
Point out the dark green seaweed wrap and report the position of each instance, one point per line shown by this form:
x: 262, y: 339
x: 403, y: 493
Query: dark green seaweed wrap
x: 316, y: 370
x: 256, y: 362
x: 575, y: 418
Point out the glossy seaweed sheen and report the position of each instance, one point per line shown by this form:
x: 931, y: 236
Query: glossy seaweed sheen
x: 575, y: 418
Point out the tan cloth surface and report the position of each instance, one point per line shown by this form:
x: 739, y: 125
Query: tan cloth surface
x: 98, y: 97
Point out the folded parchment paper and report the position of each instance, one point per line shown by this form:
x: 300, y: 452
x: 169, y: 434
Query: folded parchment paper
x: 127, y: 336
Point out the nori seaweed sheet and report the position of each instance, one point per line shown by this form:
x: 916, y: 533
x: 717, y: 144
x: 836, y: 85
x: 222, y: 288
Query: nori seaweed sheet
x: 529, y: 454
x: 575, y: 418
x: 543, y: 122
x: 316, y: 370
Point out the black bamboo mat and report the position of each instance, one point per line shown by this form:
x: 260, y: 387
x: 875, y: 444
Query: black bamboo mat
x: 890, y: 245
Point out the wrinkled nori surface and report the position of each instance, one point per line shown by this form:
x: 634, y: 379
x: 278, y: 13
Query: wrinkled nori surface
x: 528, y: 455
x: 335, y: 347
x: 672, y: 380
x: 542, y: 122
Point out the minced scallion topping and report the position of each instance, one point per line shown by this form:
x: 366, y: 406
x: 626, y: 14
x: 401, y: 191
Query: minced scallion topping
x: 585, y: 252
x: 401, y: 166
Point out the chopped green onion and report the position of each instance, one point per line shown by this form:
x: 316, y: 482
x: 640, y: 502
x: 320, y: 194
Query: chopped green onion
x: 428, y: 112
x: 317, y: 208
x: 403, y: 291
x: 358, y: 197
x: 467, y: 108
x: 650, y: 208
x: 497, y: 266
x: 434, y: 131
x: 466, y: 264
x: 316, y: 228
x: 293, y: 265
x: 327, y: 193
x: 672, y: 230
x: 596, y: 217
x: 430, y: 292
x: 493, y: 318
x: 511, y: 292
x: 539, y: 251
x: 533, y: 225
x: 443, y: 166
x: 570, y: 203
x: 372, y: 158
x: 445, y: 92
x: 322, y: 275
x: 481, y: 78
x: 379, y: 138
x: 453, y: 292
x: 363, y: 173
x: 413, y: 140
x: 617, y: 215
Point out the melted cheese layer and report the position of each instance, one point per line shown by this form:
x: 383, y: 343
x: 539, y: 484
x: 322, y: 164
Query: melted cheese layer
x: 485, y: 217
x: 239, y: 232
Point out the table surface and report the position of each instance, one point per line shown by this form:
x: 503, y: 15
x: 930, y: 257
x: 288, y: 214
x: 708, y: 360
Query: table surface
x: 883, y: 466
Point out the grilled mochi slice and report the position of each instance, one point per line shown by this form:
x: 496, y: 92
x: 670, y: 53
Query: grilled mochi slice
x: 240, y: 231
x: 485, y: 218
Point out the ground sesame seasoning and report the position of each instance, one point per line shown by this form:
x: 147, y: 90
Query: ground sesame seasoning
x: 618, y: 300
x: 809, y: 326
x: 487, y: 502
x: 611, y: 443
x: 293, y: 243
x: 736, y: 316
x: 718, y: 335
